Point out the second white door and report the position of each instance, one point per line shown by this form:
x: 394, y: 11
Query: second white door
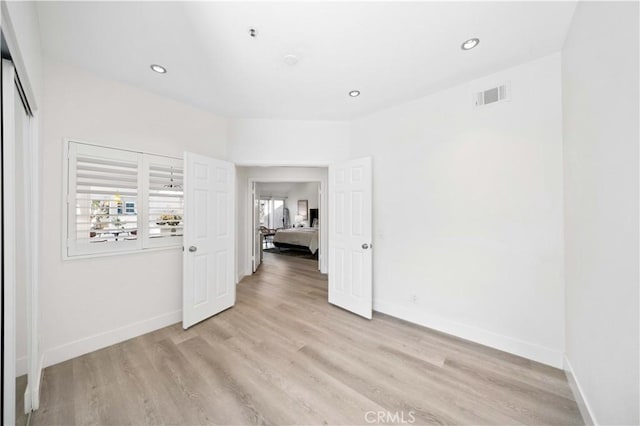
x: 350, y: 236
x: 257, y: 233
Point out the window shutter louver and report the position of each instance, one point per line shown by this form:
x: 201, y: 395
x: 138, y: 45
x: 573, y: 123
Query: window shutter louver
x: 164, y: 201
x: 104, y: 196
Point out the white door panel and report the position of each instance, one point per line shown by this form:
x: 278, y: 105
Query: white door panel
x: 209, y: 238
x: 257, y: 235
x: 350, y: 236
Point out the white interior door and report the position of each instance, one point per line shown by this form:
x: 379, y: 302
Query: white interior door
x: 350, y: 236
x: 209, y: 238
x: 257, y: 235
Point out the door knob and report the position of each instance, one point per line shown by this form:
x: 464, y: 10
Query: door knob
x: 193, y: 248
x: 365, y: 246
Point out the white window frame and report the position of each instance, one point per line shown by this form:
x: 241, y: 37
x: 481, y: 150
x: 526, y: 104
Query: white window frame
x: 142, y: 243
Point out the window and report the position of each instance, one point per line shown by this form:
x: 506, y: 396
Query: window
x: 119, y: 200
x: 273, y: 213
x: 164, y: 200
x: 130, y: 208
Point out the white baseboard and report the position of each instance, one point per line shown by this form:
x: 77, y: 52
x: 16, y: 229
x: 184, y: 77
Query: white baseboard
x: 32, y: 392
x: 581, y: 400
x: 35, y: 395
x: 111, y: 337
x: 512, y: 345
x: 27, y: 399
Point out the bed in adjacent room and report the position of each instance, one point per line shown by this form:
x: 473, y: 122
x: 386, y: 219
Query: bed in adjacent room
x: 297, y: 238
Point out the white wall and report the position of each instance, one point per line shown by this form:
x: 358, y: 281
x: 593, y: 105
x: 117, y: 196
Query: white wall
x: 304, y: 191
x: 600, y: 97
x: 468, y: 211
x: 94, y: 302
x: 244, y: 174
x: 292, y: 193
x: 256, y: 142
x: 288, y: 142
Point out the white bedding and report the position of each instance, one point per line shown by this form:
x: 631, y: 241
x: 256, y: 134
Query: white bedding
x: 305, y: 237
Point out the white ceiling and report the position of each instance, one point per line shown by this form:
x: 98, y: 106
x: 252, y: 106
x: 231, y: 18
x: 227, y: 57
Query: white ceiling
x: 390, y: 51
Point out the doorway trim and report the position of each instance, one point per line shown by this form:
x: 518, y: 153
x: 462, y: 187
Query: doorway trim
x: 249, y: 226
x: 8, y: 251
x: 31, y: 150
x: 30, y: 175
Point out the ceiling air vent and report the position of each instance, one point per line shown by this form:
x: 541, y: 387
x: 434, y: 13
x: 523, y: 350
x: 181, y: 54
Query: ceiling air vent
x: 491, y: 96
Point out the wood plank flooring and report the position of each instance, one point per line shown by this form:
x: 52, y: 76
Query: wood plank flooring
x: 283, y: 355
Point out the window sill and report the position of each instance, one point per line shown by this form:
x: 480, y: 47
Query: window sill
x: 66, y: 257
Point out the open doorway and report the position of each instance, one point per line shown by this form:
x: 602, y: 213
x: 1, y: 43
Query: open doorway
x: 344, y: 224
x: 280, y: 187
x: 287, y: 220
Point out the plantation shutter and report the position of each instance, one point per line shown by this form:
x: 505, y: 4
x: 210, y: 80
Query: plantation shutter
x: 164, y: 201
x: 103, y: 200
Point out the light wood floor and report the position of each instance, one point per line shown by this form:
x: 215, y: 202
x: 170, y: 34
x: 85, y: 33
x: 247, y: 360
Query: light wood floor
x: 283, y: 355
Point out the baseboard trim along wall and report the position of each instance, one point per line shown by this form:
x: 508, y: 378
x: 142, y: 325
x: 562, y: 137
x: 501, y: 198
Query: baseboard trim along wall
x: 98, y: 341
x: 581, y: 400
x: 27, y: 397
x: 484, y: 337
x: 35, y: 396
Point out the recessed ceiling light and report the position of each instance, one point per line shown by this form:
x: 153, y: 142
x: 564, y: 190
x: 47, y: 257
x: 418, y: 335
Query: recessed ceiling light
x: 159, y: 69
x: 470, y: 44
x: 354, y: 93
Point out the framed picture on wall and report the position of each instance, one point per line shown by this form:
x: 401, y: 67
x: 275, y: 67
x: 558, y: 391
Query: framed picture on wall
x: 303, y: 209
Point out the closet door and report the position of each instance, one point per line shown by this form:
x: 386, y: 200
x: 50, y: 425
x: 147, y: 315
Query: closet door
x: 18, y: 234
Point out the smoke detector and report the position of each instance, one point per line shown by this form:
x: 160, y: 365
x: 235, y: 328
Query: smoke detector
x: 290, y: 59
